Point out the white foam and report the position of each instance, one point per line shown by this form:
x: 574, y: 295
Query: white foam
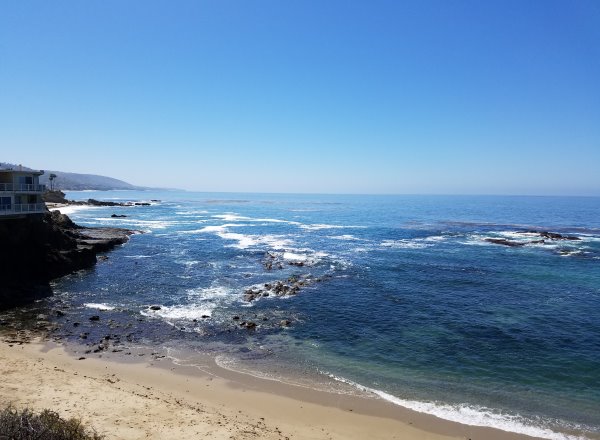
x: 295, y: 257
x: 70, y: 209
x: 435, y: 238
x: 404, y: 244
x: 467, y: 414
x: 244, y: 241
x: 187, y: 312
x: 319, y: 226
x: 231, y: 217
x: 202, y: 301
x: 98, y: 306
x: 345, y: 237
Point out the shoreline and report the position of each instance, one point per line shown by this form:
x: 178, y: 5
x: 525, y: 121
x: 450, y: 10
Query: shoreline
x: 108, y: 394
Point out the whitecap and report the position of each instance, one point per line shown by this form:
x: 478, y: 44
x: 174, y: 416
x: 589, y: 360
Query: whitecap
x: 182, y: 312
x: 98, y: 306
x: 319, y: 226
x: 295, y: 257
x: 404, y: 244
x: 347, y: 237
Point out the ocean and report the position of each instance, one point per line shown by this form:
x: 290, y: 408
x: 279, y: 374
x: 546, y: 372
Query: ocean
x: 457, y: 306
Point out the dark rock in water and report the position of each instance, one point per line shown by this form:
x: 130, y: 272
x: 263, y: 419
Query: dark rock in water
x: 250, y: 325
x: 205, y: 316
x: 95, y: 202
x: 155, y: 307
x: 94, y: 318
x: 102, y: 257
x: 59, y: 313
x: 118, y: 216
x: 236, y: 318
x: 76, y: 324
x: 504, y: 242
x: 552, y: 235
x: 285, y: 323
x: 141, y: 204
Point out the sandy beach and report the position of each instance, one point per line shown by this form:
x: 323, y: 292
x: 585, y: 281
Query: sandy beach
x: 126, y: 400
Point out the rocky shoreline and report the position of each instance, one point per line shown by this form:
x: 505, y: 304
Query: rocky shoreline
x: 57, y: 199
x: 39, y: 248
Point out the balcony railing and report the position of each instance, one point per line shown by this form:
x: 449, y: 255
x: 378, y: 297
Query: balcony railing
x: 22, y: 208
x: 22, y: 187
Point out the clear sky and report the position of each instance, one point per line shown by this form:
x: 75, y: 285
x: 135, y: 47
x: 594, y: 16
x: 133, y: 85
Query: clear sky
x: 471, y: 97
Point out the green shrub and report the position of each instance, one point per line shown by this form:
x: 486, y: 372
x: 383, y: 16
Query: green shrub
x: 26, y: 425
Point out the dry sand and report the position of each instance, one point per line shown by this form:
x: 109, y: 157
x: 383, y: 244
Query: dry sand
x: 141, y: 401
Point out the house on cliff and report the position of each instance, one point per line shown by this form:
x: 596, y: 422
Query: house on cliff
x: 20, y: 192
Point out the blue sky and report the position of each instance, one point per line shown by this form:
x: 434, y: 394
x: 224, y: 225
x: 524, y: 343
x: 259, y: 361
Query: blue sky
x: 466, y: 97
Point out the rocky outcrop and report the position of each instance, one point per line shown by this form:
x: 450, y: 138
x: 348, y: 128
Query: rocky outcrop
x: 505, y: 242
x: 288, y: 287
x: 39, y: 248
x: 552, y: 235
x: 542, y: 237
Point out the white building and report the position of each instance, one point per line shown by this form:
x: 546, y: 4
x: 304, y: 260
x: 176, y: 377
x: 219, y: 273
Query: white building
x: 20, y: 192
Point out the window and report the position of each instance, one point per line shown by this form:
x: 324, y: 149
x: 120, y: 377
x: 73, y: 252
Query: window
x: 5, y: 204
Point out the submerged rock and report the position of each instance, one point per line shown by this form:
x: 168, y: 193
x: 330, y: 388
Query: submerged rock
x: 505, y: 242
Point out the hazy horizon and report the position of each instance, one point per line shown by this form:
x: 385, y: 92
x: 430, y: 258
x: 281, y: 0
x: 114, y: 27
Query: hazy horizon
x: 465, y: 98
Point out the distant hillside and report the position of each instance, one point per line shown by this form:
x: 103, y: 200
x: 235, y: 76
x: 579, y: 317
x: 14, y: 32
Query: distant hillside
x: 79, y: 182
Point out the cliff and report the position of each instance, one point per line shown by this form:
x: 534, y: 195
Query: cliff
x: 37, y: 249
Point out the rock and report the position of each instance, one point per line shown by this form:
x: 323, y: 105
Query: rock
x: 95, y: 202
x: 81, y: 358
x: 285, y: 323
x: 76, y: 324
x: 205, y: 316
x: 59, y: 313
x: 39, y: 248
x: 141, y: 204
x: 552, y: 235
x: 250, y: 325
x: 95, y: 318
x: 155, y: 307
x: 504, y: 242
x: 235, y: 318
x: 118, y: 216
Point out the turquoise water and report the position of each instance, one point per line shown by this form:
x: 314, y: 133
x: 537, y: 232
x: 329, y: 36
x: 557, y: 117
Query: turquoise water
x: 404, y: 296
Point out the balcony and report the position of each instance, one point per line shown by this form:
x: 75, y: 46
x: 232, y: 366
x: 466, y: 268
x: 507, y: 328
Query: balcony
x: 22, y: 187
x: 22, y: 208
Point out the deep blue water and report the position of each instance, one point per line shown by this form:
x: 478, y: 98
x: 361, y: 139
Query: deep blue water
x: 404, y: 295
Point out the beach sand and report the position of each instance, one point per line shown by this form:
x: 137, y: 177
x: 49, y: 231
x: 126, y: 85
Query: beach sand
x: 127, y: 400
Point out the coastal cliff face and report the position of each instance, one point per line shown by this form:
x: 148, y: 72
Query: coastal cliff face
x: 37, y: 249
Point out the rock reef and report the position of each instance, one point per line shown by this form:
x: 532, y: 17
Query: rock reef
x: 541, y: 237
